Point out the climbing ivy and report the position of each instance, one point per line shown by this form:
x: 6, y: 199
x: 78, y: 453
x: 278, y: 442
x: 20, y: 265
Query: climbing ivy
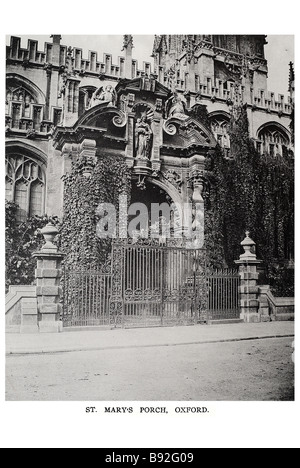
x: 21, y: 241
x: 251, y: 192
x: 82, y: 195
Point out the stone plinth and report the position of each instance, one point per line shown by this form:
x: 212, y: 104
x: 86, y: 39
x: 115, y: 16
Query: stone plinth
x: 48, y: 274
x: 249, y: 289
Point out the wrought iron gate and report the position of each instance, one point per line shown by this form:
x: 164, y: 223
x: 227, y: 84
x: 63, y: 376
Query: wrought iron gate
x: 155, y: 285
x: 147, y: 284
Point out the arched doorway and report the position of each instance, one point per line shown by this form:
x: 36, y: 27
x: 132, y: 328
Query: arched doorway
x: 155, y: 276
x: 154, y: 208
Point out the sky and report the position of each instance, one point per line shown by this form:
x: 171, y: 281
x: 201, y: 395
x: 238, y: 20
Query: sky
x: 279, y: 52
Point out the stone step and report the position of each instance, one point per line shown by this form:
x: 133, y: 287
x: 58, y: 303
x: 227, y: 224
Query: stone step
x: 224, y: 321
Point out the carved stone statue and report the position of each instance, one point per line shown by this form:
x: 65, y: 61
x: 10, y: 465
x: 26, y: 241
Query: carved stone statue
x: 102, y: 94
x: 176, y: 106
x: 143, y: 138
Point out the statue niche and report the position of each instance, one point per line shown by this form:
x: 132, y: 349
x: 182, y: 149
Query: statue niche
x: 143, y: 137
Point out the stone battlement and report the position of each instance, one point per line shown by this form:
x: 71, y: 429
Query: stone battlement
x: 211, y: 88
x: 215, y: 89
x: 91, y: 65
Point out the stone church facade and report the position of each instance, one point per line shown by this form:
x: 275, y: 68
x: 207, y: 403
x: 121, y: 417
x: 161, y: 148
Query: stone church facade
x: 60, y: 105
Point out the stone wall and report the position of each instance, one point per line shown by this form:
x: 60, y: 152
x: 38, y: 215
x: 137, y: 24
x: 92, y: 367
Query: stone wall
x: 21, y: 314
x: 274, y: 308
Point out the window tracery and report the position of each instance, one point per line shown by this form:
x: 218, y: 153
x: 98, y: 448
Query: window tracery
x: 20, y: 98
x: 219, y: 126
x: 273, y: 141
x: 25, y: 185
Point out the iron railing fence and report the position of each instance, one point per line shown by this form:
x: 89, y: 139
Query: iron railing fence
x: 147, y: 284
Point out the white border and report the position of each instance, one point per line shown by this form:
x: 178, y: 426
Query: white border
x: 65, y: 425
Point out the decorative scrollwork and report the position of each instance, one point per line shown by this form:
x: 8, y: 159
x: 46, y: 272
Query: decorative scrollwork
x: 144, y: 242
x: 171, y: 295
x: 120, y: 119
x: 139, y: 295
x: 106, y: 269
x: 170, y: 128
x: 116, y: 311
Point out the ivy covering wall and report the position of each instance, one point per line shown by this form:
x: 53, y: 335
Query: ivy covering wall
x: 247, y: 192
x: 109, y: 179
x: 21, y: 241
x: 251, y: 192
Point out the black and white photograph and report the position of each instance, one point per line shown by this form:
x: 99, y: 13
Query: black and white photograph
x: 149, y: 220
x: 150, y: 210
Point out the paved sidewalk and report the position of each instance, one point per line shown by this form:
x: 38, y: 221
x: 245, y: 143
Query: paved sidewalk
x: 142, y: 338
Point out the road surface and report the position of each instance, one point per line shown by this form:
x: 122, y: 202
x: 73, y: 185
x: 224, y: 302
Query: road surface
x: 258, y: 370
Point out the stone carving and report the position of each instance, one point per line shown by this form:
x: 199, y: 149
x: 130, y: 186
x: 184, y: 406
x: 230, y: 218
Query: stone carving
x: 141, y: 183
x: 158, y: 105
x: 64, y: 76
x: 174, y: 178
x: 131, y: 99
x: 155, y: 173
x: 189, y: 45
x: 196, y: 182
x: 170, y: 78
x: 148, y: 83
x: 120, y: 119
x: 48, y: 68
x: 127, y: 41
x: 31, y: 134
x: 170, y: 128
x: 143, y: 137
x: 176, y: 106
x: 25, y: 64
x: 102, y: 94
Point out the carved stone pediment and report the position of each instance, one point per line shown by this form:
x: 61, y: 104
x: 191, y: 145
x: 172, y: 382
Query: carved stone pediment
x: 101, y: 121
x: 96, y: 116
x: 186, y: 133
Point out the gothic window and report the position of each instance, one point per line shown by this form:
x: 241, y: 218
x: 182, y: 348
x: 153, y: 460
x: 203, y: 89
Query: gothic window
x: 273, y: 141
x: 219, y: 126
x: 25, y: 185
x: 18, y: 102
